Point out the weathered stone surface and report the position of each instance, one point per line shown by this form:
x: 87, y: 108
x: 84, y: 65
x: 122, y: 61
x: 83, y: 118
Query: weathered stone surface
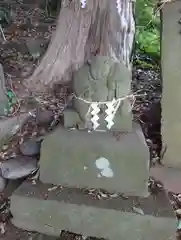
x: 10, y: 126
x: 97, y: 159
x: 3, y: 96
x: 171, y: 72
x: 75, y: 211
x: 18, y: 167
x: 102, y: 80
x: 30, y: 147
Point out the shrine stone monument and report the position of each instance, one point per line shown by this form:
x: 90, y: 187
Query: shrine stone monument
x: 99, y: 147
x: 171, y: 72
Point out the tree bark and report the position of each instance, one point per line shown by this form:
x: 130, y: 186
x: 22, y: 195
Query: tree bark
x: 96, y: 30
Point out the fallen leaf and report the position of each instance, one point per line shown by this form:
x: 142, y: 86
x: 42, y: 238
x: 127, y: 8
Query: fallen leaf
x: 138, y: 210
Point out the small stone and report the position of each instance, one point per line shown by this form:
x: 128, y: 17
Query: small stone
x: 30, y: 147
x: 44, y: 117
x: 18, y: 167
x: 2, y: 183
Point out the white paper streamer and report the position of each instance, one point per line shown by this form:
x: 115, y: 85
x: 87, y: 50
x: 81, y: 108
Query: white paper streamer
x: 111, y: 110
x: 112, y: 107
x: 94, y: 113
x: 83, y: 3
x: 118, y: 2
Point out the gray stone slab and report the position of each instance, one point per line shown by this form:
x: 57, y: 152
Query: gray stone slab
x: 171, y: 72
x: 99, y: 160
x: 35, y: 208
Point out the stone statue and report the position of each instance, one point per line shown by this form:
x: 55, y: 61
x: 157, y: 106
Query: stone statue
x: 83, y: 156
x: 100, y: 80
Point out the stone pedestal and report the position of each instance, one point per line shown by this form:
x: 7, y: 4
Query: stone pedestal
x: 96, y: 160
x: 171, y: 72
x: 75, y: 211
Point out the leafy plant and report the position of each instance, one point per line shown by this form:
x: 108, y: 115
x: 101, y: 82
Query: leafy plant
x: 148, y: 28
x: 12, y: 100
x: 5, y: 16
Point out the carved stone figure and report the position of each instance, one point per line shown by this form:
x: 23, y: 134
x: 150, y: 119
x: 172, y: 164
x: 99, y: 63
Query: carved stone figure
x: 100, y: 80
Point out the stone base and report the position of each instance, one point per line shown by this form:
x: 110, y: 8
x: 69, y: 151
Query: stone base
x: 35, y: 208
x: 96, y: 160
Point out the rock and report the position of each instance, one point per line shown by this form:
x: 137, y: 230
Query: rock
x: 18, y: 167
x: 96, y: 160
x: 2, y: 183
x: 3, y: 96
x: 11, y: 126
x: 35, y: 47
x: 78, y: 212
x: 30, y: 147
x: 44, y: 117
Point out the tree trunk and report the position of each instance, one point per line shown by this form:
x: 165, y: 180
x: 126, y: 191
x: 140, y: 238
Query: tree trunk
x: 97, y: 29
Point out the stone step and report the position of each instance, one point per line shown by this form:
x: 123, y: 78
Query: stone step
x: 97, y: 159
x: 35, y: 208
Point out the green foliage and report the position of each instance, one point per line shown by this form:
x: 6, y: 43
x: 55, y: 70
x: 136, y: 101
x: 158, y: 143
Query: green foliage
x: 148, y: 28
x: 5, y: 16
x: 12, y: 101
